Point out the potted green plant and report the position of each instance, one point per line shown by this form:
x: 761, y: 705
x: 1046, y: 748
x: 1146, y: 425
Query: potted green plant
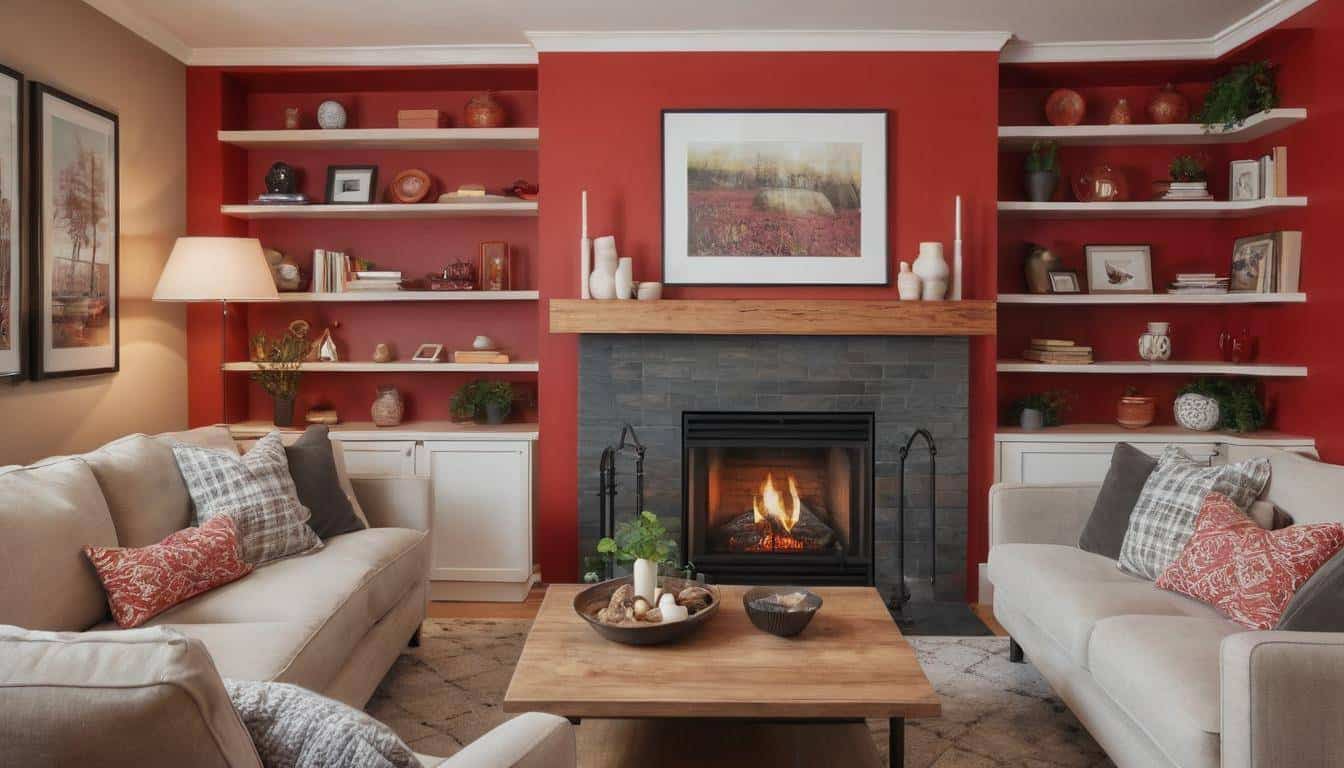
x: 278, y: 368
x: 1045, y: 409
x: 1042, y: 171
x: 494, y: 399
x: 644, y: 542
x: 1246, y: 90
x: 1188, y: 180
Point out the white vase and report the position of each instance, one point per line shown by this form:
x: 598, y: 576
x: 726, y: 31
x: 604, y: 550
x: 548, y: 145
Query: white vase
x: 330, y: 115
x: 625, y: 278
x: 602, y: 284
x: 1155, y: 344
x: 907, y: 283
x: 932, y: 271
x: 646, y: 579
x: 1197, y: 412
x: 604, y: 253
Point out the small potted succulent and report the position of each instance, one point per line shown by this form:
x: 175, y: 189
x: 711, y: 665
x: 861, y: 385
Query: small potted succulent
x: 1189, y: 180
x: 1046, y: 409
x: 1042, y: 171
x: 644, y: 542
x: 1135, y: 411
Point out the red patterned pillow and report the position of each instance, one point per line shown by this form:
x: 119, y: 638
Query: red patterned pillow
x: 143, y: 582
x: 1246, y: 572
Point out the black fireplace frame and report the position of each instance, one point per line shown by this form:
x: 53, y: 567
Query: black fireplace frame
x: 795, y: 429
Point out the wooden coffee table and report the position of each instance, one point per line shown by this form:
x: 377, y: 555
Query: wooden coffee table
x: 849, y: 664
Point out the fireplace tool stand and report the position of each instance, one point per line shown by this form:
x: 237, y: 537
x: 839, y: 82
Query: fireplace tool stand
x: 606, y: 485
x: 900, y: 599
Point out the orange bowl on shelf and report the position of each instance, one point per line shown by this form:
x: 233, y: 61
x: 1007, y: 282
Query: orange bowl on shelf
x: 1136, y: 411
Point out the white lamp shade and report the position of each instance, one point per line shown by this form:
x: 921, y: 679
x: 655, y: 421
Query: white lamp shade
x: 216, y: 269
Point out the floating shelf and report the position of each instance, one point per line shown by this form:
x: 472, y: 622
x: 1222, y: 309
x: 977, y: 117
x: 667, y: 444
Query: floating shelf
x: 1070, y: 299
x: 1106, y: 433
x: 522, y: 366
x: 359, y: 297
x: 382, y: 210
x: 1196, y: 368
x: 1255, y: 127
x: 386, y: 138
x: 803, y: 317
x: 1153, y: 209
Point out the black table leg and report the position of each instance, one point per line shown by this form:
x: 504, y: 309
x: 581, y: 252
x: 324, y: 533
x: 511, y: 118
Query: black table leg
x: 896, y: 743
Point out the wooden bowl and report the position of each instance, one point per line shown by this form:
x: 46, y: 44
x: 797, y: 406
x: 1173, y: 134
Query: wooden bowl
x: 588, y: 602
x: 781, y: 622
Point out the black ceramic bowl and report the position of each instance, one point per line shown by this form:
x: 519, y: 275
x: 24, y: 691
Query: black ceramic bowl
x: 779, y: 620
x: 588, y: 602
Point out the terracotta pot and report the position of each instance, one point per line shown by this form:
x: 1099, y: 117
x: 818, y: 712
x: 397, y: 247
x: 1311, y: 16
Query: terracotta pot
x: 1136, y: 411
x: 1065, y: 107
x: 484, y: 112
x: 1121, y: 114
x: 1168, y: 106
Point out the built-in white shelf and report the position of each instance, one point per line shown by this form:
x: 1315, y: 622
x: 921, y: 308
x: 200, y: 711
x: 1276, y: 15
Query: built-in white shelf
x: 521, y: 366
x: 1156, y: 433
x: 1255, y: 127
x: 1182, y: 367
x: 386, y: 138
x: 383, y: 210
x: 1069, y: 299
x: 1150, y: 209
x: 407, y: 430
x: 359, y: 297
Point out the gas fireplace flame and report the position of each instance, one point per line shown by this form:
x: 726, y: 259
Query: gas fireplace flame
x: 770, y: 504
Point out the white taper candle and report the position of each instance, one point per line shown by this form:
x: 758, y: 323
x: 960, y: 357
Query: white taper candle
x: 585, y: 215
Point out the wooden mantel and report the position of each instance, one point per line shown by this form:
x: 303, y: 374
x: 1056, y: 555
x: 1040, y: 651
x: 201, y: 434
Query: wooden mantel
x: 775, y: 317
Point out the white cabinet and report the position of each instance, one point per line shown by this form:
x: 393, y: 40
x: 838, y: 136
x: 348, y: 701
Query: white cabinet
x: 379, y: 458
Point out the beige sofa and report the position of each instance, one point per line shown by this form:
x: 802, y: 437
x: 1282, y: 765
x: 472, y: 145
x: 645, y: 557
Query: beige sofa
x: 1159, y: 679
x: 332, y: 621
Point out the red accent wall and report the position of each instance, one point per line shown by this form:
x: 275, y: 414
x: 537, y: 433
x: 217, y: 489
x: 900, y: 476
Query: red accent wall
x: 601, y: 127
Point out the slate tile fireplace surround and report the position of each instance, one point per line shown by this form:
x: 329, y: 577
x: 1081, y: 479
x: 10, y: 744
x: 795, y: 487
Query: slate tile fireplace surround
x: 896, y: 384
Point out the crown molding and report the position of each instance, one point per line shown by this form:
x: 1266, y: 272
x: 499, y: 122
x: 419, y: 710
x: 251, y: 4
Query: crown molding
x: 144, y: 26
x: 766, y: 40
x: 1216, y: 46
x: 366, y: 56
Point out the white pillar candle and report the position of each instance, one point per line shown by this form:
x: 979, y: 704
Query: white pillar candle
x: 585, y: 250
x: 956, y: 257
x: 675, y: 613
x: 646, y: 578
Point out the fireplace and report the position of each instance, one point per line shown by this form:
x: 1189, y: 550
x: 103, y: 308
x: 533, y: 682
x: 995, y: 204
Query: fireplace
x: 778, y: 497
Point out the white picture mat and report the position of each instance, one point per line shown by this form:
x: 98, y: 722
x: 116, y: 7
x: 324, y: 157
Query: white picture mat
x: 1140, y: 255
x: 680, y: 129
x: 11, y: 359
x: 360, y: 195
x: 76, y: 358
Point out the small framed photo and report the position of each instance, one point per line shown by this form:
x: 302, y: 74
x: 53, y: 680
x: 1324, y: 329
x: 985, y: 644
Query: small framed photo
x: 1252, y: 264
x: 351, y: 184
x: 428, y: 353
x: 1244, y: 180
x: 1064, y: 281
x: 1119, y: 268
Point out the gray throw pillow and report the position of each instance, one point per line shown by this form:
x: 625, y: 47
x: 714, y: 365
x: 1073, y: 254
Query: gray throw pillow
x: 293, y: 727
x: 313, y: 468
x: 1318, y: 605
x: 1164, y: 517
x: 1104, y: 532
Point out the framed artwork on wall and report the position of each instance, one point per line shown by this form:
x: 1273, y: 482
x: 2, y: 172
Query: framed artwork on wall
x: 74, y: 274
x: 775, y: 197
x: 1119, y: 268
x: 12, y: 342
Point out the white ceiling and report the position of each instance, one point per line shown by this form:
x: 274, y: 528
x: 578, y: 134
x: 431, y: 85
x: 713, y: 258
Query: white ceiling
x: 198, y: 31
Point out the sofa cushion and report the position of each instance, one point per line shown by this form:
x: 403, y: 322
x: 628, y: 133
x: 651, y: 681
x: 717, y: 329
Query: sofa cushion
x: 48, y: 513
x: 1163, y: 671
x: 1305, y: 488
x: 143, y: 488
x: 217, y: 437
x: 1317, y: 605
x: 1104, y: 532
x: 312, y: 465
x: 1066, y: 591
x: 343, y: 476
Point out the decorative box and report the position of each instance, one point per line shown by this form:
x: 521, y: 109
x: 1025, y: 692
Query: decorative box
x: 419, y: 118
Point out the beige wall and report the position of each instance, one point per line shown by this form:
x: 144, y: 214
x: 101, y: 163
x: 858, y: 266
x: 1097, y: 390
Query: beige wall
x: 67, y: 44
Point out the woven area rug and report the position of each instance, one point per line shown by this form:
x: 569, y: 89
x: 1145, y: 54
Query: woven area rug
x: 447, y: 693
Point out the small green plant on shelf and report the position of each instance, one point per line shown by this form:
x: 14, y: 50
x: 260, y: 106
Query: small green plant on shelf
x: 1239, y: 408
x: 1043, y: 157
x: 1052, y: 405
x: 1185, y: 168
x: 491, y: 399
x: 1246, y: 90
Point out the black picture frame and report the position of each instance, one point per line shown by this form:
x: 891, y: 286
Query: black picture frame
x: 14, y: 296
x: 38, y: 322
x: 333, y: 170
x: 888, y: 196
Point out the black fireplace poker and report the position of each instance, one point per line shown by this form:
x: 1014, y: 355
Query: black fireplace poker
x: 606, y: 485
x: 901, y: 597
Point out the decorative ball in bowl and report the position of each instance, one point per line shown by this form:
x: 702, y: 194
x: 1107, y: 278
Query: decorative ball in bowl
x: 613, y: 610
x: 782, y: 611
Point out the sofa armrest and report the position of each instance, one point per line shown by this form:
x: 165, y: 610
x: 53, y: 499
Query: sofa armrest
x: 1282, y: 699
x: 1039, y: 514
x: 395, y: 502
x: 532, y: 740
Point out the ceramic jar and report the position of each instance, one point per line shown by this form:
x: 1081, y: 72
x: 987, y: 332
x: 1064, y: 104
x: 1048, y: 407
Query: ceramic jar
x: 907, y: 283
x: 1121, y: 114
x: 1168, y: 106
x: 281, y: 179
x: 484, y: 112
x: 1065, y: 107
x: 932, y: 271
x: 330, y: 114
x: 1136, y: 411
x: 1155, y: 344
x: 624, y: 278
x: 1031, y: 419
x: 382, y: 353
x: 602, y: 282
x: 648, y: 291
x: 1197, y: 412
x: 388, y: 407
x: 1040, y: 262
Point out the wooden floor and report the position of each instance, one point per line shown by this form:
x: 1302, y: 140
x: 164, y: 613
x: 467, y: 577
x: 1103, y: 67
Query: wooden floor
x: 528, y: 610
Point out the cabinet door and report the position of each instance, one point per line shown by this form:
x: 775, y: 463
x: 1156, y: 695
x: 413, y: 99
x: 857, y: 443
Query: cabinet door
x: 379, y: 458
x: 1032, y: 462
x: 482, y: 509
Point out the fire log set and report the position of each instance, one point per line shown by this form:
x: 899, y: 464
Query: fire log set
x: 776, y: 523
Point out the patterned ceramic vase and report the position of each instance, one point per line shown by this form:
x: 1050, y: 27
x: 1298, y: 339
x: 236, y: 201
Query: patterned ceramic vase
x: 1197, y: 412
x: 330, y: 114
x: 1155, y: 344
x: 484, y: 112
x: 388, y: 407
x: 1168, y: 106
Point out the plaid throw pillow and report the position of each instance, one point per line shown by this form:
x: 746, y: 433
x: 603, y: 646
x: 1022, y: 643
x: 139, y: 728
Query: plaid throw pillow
x: 1164, y: 517
x: 256, y: 490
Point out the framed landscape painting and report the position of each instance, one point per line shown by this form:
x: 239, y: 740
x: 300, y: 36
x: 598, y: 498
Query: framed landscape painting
x: 74, y: 261
x: 12, y: 340
x: 775, y: 197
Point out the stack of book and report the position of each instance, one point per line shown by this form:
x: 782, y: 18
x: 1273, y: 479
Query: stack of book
x: 331, y: 269
x: 1188, y: 190
x: 1058, y: 351
x: 1198, y: 283
x: 379, y: 280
